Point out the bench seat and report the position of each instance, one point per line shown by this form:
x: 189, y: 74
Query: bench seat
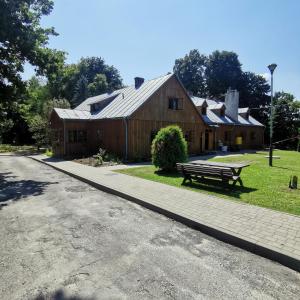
x: 197, y: 172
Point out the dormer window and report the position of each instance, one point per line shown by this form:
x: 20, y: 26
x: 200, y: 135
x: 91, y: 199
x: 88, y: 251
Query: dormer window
x: 175, y: 103
x: 222, y: 112
x: 203, y: 110
x: 94, y: 107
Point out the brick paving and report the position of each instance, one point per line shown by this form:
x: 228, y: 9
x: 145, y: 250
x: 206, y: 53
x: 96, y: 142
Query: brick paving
x: 260, y: 228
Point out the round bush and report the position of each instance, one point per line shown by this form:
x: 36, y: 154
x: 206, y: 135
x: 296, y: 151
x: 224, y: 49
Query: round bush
x: 168, y: 148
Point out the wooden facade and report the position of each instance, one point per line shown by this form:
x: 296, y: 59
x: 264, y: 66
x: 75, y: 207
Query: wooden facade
x: 140, y: 128
x: 156, y: 114
x: 252, y: 136
x: 131, y: 136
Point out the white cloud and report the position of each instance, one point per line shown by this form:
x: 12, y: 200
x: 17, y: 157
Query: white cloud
x: 267, y: 76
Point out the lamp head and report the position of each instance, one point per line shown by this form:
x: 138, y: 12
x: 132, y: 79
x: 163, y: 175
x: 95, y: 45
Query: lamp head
x: 272, y: 68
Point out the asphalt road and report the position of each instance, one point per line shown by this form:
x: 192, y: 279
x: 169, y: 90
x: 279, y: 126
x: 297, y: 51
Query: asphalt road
x: 62, y: 239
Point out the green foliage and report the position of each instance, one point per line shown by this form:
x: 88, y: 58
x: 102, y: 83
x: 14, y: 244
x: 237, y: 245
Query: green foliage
x: 211, y: 76
x: 168, y: 148
x: 49, y: 153
x: 54, y: 103
x: 90, y: 77
x: 23, y: 39
x: 286, y: 120
x: 39, y: 128
x: 103, y: 156
x: 98, y: 86
x: 13, y: 148
x: 6, y: 124
x: 81, y: 91
x: 223, y: 70
x: 100, y: 156
x: 190, y: 70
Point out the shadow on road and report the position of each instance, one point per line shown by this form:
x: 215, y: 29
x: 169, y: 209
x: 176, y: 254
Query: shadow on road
x: 60, y: 295
x: 13, y: 190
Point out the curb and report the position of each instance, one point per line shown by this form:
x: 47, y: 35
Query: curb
x: 284, y: 259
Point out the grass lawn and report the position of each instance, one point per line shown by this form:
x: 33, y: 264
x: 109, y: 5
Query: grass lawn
x: 263, y: 186
x: 12, y: 148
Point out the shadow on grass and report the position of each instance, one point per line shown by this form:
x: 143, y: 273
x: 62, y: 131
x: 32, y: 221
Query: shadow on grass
x: 60, y: 295
x: 13, y: 190
x: 210, y: 185
x: 284, y: 168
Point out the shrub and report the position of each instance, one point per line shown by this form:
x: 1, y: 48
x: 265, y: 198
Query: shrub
x: 100, y: 157
x: 49, y: 153
x: 168, y: 148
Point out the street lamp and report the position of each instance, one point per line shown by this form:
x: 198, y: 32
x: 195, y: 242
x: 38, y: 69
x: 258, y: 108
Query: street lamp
x: 272, y: 68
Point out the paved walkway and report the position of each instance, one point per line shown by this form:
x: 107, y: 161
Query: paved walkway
x: 263, y: 231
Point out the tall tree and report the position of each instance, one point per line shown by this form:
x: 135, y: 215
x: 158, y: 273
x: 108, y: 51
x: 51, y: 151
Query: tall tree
x: 22, y: 39
x: 223, y: 70
x: 81, y: 91
x: 286, y: 119
x: 98, y: 78
x: 98, y: 86
x: 190, y: 70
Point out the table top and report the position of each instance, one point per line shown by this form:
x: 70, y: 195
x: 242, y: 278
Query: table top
x: 220, y: 164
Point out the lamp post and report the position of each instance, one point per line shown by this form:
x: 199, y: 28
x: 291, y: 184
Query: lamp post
x: 272, y: 68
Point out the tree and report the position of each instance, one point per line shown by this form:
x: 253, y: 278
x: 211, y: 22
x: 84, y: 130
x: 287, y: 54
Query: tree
x: 253, y: 91
x: 39, y: 128
x: 22, y: 39
x: 223, y: 70
x: 54, y: 103
x: 81, y: 91
x: 286, y: 119
x: 190, y: 70
x: 168, y: 148
x: 98, y: 86
x: 91, y: 76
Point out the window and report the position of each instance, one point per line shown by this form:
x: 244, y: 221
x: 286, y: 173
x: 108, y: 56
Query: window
x: 253, y: 135
x: 77, y: 136
x: 81, y: 136
x: 203, y: 110
x: 175, y: 103
x: 95, y: 107
x: 72, y: 136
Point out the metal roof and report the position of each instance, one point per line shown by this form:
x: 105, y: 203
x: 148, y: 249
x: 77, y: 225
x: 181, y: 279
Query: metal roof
x: 243, y: 110
x: 216, y: 106
x: 72, y: 114
x: 198, y: 101
x: 127, y: 100
x: 212, y: 118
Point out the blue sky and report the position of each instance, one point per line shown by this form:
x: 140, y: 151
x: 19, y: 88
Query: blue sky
x: 143, y: 38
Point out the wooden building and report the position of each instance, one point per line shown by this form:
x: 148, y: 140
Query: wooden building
x: 125, y: 121
x: 230, y: 125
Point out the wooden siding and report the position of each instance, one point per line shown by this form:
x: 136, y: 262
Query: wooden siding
x: 107, y: 134
x: 141, y: 132
x: 155, y: 114
x: 57, y: 128
x: 253, y: 136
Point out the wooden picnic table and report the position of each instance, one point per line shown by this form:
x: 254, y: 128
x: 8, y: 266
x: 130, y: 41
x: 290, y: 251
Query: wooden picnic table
x: 236, y: 168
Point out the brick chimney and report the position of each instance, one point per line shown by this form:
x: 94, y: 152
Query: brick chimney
x: 138, y: 81
x: 232, y: 104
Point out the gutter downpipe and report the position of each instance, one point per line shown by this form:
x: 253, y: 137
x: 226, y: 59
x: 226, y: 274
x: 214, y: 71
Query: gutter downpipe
x: 125, y: 120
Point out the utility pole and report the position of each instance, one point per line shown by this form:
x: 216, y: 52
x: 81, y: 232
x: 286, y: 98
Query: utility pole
x: 272, y: 68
